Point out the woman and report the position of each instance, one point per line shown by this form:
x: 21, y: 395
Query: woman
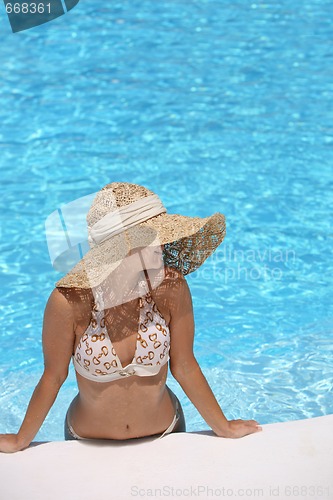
x: 122, y: 313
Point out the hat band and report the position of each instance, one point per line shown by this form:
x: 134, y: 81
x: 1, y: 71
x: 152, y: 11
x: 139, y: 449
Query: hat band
x: 125, y: 217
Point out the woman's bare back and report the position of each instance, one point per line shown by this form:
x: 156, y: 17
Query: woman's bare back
x: 128, y: 407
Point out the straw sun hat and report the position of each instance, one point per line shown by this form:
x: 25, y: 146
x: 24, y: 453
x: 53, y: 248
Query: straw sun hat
x: 127, y: 216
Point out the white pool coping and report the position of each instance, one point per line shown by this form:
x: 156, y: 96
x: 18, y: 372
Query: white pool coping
x: 287, y: 460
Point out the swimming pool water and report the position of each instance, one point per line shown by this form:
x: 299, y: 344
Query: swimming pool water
x: 216, y: 107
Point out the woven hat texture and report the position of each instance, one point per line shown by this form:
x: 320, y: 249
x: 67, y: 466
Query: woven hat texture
x: 188, y: 241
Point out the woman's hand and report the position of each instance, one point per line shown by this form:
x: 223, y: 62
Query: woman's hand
x: 239, y: 428
x: 9, y: 443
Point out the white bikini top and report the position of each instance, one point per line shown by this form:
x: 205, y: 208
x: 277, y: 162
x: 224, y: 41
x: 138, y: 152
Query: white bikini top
x: 96, y: 359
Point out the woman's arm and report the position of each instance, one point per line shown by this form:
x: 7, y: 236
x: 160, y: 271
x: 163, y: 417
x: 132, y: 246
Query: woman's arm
x: 58, y: 339
x: 185, y: 369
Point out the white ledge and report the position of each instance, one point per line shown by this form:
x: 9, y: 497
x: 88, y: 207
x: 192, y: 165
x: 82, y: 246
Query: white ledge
x: 287, y: 460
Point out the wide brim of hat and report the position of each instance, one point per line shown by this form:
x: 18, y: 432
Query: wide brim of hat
x: 188, y: 242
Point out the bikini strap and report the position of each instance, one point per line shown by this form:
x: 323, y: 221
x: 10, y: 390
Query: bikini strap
x: 98, y: 307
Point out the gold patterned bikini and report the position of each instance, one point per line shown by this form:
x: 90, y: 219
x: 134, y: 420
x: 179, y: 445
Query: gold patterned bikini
x: 96, y: 359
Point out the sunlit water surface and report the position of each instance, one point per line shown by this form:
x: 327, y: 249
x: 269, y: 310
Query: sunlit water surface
x: 216, y: 107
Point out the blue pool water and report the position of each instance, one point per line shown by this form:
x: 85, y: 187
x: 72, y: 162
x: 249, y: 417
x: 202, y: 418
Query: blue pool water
x: 216, y: 107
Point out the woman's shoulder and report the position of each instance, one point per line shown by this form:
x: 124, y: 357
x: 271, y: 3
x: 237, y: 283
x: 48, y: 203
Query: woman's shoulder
x: 78, y: 301
x: 173, y: 286
x: 173, y: 275
x: 174, y: 280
